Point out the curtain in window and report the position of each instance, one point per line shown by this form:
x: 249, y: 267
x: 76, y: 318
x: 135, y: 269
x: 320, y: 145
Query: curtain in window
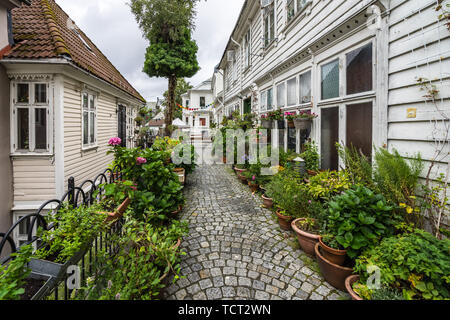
x: 305, y: 87
x: 359, y: 70
x: 330, y: 80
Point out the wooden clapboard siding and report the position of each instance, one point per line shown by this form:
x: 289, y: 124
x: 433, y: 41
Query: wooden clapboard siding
x: 88, y: 164
x: 418, y: 47
x: 34, y: 179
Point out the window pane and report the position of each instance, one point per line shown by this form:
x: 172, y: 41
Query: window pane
x: 330, y: 80
x: 40, y: 127
x: 85, y: 127
x: 91, y: 102
x: 40, y: 93
x: 359, y: 128
x: 281, y: 139
x: 359, y: 70
x: 281, y: 90
x: 269, y: 99
x: 23, y: 142
x: 24, y: 226
x: 292, y: 139
x: 263, y: 100
x: 202, y: 102
x: 305, y: 87
x: 23, y: 93
x: 292, y: 92
x: 330, y: 136
x: 92, y: 127
x: 290, y: 9
x: 85, y: 101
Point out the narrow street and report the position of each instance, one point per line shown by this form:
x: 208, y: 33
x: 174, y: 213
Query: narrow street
x: 236, y: 249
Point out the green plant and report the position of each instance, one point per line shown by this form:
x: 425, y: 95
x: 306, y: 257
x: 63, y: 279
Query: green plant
x: 147, y: 255
x: 114, y: 193
x: 311, y: 156
x: 358, y: 219
x: 358, y: 164
x: 327, y: 184
x: 417, y: 264
x: 13, y: 275
x: 73, y: 229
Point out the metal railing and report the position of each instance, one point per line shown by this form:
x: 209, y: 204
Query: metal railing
x: 57, y: 288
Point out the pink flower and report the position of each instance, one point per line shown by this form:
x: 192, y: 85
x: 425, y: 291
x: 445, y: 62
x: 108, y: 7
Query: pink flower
x: 253, y: 178
x: 141, y: 160
x: 115, y: 141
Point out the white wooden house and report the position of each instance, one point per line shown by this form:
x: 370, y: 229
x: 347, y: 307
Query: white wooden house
x: 66, y: 101
x: 355, y: 63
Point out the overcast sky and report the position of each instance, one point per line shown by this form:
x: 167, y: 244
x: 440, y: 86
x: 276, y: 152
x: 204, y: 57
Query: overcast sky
x: 112, y: 27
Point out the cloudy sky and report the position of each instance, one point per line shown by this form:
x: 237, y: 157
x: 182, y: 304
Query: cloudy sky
x: 112, y: 27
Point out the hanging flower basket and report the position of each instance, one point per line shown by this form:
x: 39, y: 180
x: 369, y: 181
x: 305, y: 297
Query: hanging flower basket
x: 303, y: 124
x: 266, y: 124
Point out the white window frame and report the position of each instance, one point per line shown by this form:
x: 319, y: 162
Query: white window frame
x: 89, y: 145
x: 270, y: 106
x: 300, y: 97
x: 299, y: 7
x: 248, y: 49
x: 263, y: 106
x: 31, y: 106
x: 283, y: 93
x: 296, y: 92
x: 269, y: 13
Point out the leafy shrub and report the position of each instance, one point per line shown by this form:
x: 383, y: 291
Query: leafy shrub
x: 327, y: 184
x: 13, y: 275
x: 146, y: 255
x: 114, y: 194
x: 358, y: 219
x: 415, y: 263
x: 74, y: 228
x: 311, y: 156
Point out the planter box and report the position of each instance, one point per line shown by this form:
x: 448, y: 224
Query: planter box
x: 44, y: 290
x: 302, y: 124
x: 266, y: 124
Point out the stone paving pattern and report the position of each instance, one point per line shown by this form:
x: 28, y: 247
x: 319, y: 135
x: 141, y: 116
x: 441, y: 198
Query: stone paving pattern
x: 236, y: 249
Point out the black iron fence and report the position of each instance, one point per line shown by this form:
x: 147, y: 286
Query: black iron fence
x: 59, y: 281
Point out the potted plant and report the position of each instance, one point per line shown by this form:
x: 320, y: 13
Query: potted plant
x: 277, y: 116
x: 290, y: 116
x: 266, y: 122
x: 307, y: 232
x: 333, y: 273
x: 311, y: 156
x: 330, y: 250
x: 412, y: 266
x: 325, y: 185
x: 303, y: 120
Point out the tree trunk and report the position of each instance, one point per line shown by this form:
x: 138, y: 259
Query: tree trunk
x: 170, y: 104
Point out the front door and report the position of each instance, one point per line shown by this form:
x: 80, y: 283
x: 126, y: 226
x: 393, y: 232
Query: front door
x: 203, y: 122
x: 122, y: 125
x: 248, y: 106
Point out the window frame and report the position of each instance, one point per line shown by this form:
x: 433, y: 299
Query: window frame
x: 89, y: 145
x: 247, y: 49
x: 31, y: 106
x: 296, y: 92
x: 300, y: 97
x: 270, y: 14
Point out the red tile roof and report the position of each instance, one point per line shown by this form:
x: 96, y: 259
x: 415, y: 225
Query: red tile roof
x: 43, y: 31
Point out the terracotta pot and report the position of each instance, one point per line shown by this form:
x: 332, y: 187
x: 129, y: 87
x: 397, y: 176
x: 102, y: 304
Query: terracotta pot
x: 268, y: 202
x: 349, y: 281
x: 118, y: 213
x: 291, y: 124
x: 253, y: 186
x: 242, y: 178
x: 333, y: 274
x: 303, y: 124
x: 334, y: 255
x: 224, y: 160
x: 312, y: 173
x: 306, y: 240
x: 284, y: 221
x: 239, y: 170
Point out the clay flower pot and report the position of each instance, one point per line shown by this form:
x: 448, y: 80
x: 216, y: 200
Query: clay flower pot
x: 118, y: 213
x: 242, y: 178
x: 334, y: 255
x: 333, y: 273
x: 237, y: 170
x: 306, y: 240
x: 291, y: 124
x: 312, y: 173
x: 224, y: 160
x: 268, y: 202
x: 284, y: 221
x: 253, y: 186
x: 349, y: 281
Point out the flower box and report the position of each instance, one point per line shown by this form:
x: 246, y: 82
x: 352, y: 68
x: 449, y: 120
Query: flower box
x: 303, y: 124
x: 38, y: 286
x: 266, y: 124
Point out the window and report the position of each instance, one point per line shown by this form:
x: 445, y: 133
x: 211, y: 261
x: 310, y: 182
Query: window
x: 31, y: 111
x: 359, y: 128
x: 359, y: 70
x: 292, y: 92
x: 187, y: 103
x: 330, y: 80
x: 294, y: 7
x: 270, y: 99
x: 269, y: 25
x: 305, y: 87
x: 263, y: 101
x: 281, y: 91
x: 329, y: 138
x: 247, y: 50
x: 89, y: 117
x: 202, y: 102
x: 292, y: 139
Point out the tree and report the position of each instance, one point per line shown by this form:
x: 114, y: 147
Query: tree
x: 172, y: 54
x: 182, y: 88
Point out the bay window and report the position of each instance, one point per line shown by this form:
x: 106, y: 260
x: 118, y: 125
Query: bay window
x: 30, y: 117
x: 89, y: 120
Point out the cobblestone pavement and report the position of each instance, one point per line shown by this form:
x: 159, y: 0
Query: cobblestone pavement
x: 236, y: 250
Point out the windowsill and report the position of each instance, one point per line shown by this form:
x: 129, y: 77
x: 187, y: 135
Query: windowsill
x: 31, y: 155
x: 89, y: 148
x: 296, y: 18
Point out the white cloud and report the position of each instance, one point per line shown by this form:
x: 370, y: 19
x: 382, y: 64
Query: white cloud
x: 112, y: 27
